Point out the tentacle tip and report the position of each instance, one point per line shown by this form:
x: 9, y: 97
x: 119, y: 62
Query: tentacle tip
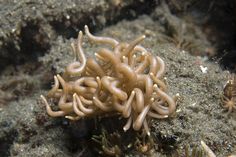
x: 125, y: 115
x: 44, y: 99
x: 58, y: 76
x: 151, y: 74
x: 68, y: 117
x: 152, y: 99
x: 148, y: 133
x: 205, y: 147
x: 143, y: 36
x: 155, y: 86
x: 203, y: 143
x: 125, y: 129
x: 136, y: 126
x: 143, y: 53
x: 85, y: 26
x: 72, y: 118
x: 80, y: 33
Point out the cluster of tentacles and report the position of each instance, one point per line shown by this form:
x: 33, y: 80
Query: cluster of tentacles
x: 123, y: 78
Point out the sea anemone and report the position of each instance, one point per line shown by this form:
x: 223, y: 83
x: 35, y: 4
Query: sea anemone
x: 123, y: 79
x: 229, y: 94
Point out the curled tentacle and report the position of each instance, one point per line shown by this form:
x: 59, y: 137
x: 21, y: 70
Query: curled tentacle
x: 141, y: 117
x: 49, y: 110
x: 119, y: 49
x: 63, y: 104
x: 75, y: 106
x: 128, y: 74
x: 76, y: 68
x: 139, y: 100
x: 111, y: 87
x: 142, y: 66
x: 55, y: 91
x: 128, y: 124
x: 102, y: 105
x: 95, y: 67
x: 161, y: 67
x: 146, y: 128
x: 132, y: 45
x: 85, y: 110
x: 153, y: 64
x: 139, y: 121
x: 127, y: 106
x: 159, y: 83
x: 170, y: 101
x: 109, y: 56
x: 156, y: 115
x: 133, y: 53
x: 146, y: 82
x: 102, y: 40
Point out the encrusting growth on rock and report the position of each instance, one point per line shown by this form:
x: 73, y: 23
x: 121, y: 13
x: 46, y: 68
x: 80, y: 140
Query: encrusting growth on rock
x: 124, y: 79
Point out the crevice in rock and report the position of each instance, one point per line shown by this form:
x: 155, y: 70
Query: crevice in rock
x: 69, y: 25
x: 31, y: 43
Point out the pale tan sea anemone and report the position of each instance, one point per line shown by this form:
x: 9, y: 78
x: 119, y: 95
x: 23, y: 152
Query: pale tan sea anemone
x: 124, y: 79
x: 229, y: 95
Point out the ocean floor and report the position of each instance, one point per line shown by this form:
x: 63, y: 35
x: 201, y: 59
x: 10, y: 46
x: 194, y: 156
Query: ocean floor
x: 34, y: 50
